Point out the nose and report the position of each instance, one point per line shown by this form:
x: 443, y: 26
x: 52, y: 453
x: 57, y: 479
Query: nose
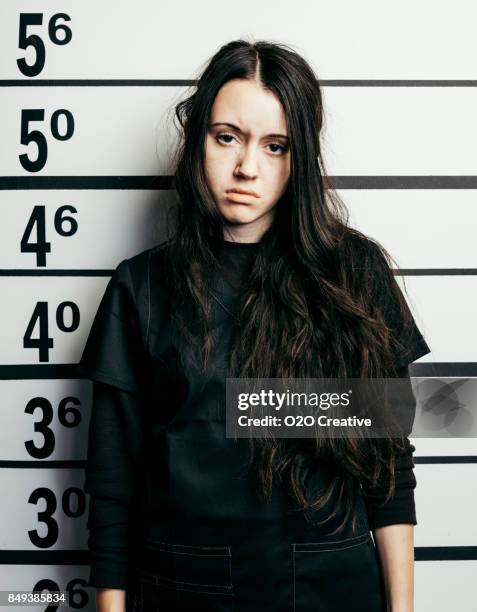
x: 247, y: 164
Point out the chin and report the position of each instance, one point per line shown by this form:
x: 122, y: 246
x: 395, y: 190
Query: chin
x: 238, y: 216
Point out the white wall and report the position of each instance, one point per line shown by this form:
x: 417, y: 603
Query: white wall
x: 399, y: 104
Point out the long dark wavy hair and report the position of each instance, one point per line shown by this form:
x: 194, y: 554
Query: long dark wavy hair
x: 310, y: 307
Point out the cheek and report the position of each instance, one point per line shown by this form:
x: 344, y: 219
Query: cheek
x: 278, y: 176
x: 215, y: 172
x: 285, y: 167
x: 210, y: 169
x: 217, y: 164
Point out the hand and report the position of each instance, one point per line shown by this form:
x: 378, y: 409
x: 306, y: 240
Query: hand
x: 110, y: 600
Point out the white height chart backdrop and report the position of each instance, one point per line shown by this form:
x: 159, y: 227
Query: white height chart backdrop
x: 84, y: 181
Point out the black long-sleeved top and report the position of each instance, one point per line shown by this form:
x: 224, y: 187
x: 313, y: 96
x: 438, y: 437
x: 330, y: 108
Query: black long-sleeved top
x: 117, y: 458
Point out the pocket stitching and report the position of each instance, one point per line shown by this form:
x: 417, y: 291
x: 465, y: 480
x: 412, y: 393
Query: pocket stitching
x: 191, y: 554
x: 331, y: 549
x: 175, y: 585
x: 178, y: 588
x: 168, y: 548
x: 156, y: 578
x: 174, y: 545
x: 364, y: 537
x: 222, y: 551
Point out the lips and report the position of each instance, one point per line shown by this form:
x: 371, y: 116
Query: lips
x: 243, y: 192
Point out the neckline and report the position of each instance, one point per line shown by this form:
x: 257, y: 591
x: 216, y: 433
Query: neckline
x: 232, y: 257
x: 229, y: 244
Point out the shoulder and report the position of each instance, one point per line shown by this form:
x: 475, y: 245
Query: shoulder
x: 129, y: 289
x: 139, y: 265
x: 135, y: 272
x: 145, y: 276
x: 368, y: 264
x: 370, y: 278
x: 373, y: 285
x: 363, y: 249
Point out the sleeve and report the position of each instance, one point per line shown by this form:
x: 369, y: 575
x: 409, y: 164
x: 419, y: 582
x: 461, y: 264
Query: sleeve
x: 408, y: 343
x: 400, y: 508
x: 112, y: 359
x: 113, y: 480
x: 113, y: 351
x: 407, y: 346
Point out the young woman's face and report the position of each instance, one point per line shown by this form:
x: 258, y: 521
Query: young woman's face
x: 247, y: 149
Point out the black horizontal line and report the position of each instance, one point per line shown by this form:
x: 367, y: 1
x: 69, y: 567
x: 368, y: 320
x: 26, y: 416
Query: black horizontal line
x: 83, y: 557
x: 450, y: 459
x: 109, y: 272
x: 86, y: 182
x: 69, y: 464
x: 98, y: 82
x: 50, y: 371
x: 445, y: 553
x: 443, y: 369
x: 398, y: 82
x: 45, y: 557
x: 55, y: 272
x: 165, y: 182
x: 435, y: 271
x: 404, y: 182
x: 41, y: 371
x: 193, y: 82
x: 80, y: 464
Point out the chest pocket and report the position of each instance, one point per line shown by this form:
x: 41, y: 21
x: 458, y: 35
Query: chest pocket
x: 340, y: 575
x: 185, y: 577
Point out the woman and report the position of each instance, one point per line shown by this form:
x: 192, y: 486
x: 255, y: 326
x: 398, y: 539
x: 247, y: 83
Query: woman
x: 260, y: 278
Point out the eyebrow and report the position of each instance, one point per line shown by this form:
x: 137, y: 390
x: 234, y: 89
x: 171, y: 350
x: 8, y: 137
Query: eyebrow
x: 235, y: 127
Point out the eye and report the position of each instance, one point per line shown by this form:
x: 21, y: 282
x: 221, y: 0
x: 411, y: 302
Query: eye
x: 224, y: 135
x: 281, y: 148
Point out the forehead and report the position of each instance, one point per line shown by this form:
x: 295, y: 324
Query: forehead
x: 248, y: 105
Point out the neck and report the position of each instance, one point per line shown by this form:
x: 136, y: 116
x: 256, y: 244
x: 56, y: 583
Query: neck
x: 247, y: 232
